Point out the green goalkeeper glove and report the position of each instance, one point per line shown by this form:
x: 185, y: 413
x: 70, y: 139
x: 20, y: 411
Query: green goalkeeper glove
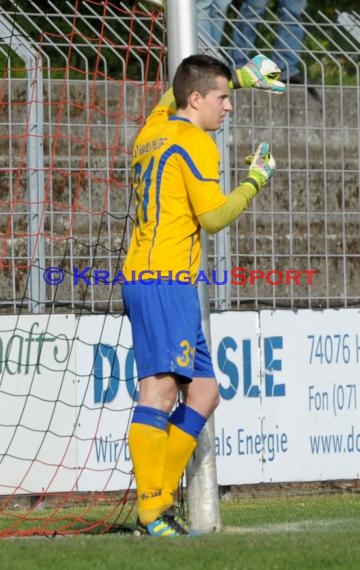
x: 262, y: 166
x: 258, y: 73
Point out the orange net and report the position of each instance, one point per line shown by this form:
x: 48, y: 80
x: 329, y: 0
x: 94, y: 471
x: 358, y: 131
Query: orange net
x: 69, y: 117
x: 75, y: 87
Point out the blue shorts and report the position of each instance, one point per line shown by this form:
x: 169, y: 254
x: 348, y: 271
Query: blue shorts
x: 166, y: 329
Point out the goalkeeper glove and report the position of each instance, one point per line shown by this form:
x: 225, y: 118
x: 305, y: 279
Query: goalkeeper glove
x: 259, y: 73
x: 262, y: 166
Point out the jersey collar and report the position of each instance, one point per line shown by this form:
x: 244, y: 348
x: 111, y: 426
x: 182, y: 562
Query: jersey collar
x: 176, y: 118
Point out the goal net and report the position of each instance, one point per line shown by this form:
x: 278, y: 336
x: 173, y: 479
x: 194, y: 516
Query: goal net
x: 77, y: 81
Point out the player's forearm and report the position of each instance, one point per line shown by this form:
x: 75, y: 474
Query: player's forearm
x: 237, y: 201
x: 259, y: 73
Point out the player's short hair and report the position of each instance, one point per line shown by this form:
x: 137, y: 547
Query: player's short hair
x: 197, y: 73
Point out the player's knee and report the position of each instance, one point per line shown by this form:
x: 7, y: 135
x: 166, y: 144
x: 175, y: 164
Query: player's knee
x: 213, y: 399
x: 216, y: 400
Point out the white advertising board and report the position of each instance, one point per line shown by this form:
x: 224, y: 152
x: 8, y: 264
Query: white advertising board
x: 289, y: 385
x: 304, y: 422
x: 236, y: 359
x: 106, y: 380
x: 37, y: 404
x: 317, y: 361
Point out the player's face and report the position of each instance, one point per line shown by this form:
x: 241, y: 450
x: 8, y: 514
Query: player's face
x: 214, y: 106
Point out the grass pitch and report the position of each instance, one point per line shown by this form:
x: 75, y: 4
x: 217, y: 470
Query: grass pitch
x: 307, y: 532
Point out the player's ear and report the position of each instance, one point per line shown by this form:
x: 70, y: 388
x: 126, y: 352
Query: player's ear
x: 195, y: 99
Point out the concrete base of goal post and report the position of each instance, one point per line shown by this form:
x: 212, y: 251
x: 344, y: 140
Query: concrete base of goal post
x: 201, y: 483
x: 201, y: 480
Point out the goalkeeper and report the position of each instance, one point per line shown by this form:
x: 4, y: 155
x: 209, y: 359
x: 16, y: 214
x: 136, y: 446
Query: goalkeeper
x: 177, y: 188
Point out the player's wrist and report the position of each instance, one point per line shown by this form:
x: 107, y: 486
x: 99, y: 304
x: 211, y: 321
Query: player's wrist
x: 254, y: 182
x: 235, y: 82
x: 260, y: 72
x: 259, y: 177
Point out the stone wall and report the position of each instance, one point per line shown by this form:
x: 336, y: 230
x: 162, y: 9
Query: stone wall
x: 307, y: 217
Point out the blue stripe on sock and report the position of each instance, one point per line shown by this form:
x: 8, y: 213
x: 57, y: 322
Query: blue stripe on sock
x: 188, y: 420
x: 150, y: 417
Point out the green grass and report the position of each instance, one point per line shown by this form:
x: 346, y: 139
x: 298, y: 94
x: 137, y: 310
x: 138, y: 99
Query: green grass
x: 307, y: 532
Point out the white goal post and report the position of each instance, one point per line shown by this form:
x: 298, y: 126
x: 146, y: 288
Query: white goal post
x: 202, y: 490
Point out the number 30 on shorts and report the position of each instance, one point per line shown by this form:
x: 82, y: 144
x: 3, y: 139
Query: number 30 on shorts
x: 188, y: 354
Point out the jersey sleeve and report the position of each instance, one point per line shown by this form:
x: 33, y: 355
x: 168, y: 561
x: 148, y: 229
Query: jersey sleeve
x: 164, y: 109
x: 201, y: 171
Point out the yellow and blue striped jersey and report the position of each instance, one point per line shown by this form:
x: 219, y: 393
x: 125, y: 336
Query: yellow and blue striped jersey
x: 176, y: 178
